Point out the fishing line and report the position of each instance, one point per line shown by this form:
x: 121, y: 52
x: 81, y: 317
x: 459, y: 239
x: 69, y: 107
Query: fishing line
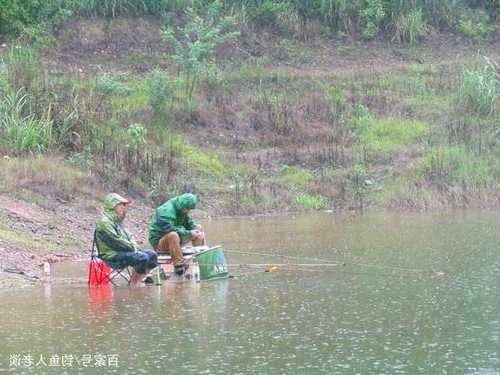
x: 330, y: 263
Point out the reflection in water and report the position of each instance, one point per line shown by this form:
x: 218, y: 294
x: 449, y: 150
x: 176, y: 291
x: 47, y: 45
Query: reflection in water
x: 100, y: 299
x: 418, y: 294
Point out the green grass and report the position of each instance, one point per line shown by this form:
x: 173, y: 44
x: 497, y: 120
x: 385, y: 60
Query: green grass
x: 308, y: 201
x: 295, y: 177
x: 204, y: 162
x: 456, y: 165
x: 386, y: 136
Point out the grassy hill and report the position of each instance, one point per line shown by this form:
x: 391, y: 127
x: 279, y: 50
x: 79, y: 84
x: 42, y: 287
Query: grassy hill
x: 253, y: 111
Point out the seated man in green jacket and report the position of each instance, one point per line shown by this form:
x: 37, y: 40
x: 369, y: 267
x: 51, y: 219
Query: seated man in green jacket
x: 171, y: 227
x: 115, y: 244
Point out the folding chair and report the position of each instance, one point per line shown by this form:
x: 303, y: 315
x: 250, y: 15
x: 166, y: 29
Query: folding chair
x: 102, y: 272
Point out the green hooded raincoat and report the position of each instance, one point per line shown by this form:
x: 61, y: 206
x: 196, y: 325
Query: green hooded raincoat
x: 169, y: 217
x: 111, y: 235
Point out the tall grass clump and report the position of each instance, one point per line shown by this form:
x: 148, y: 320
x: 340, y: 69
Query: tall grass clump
x: 21, y: 130
x: 23, y: 70
x: 480, y: 90
x: 410, y: 28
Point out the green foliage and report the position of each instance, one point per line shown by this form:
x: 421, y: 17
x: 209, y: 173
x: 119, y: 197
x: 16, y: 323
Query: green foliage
x: 115, y: 8
x: 23, y: 70
x: 456, y: 165
x: 159, y: 91
x: 480, y: 90
x: 268, y: 14
x: 27, y: 16
x: 308, y: 201
x: 475, y: 30
x: 409, y: 19
x: 338, y: 109
x: 21, y: 130
x: 385, y: 136
x: 275, y: 105
x: 372, y: 16
x: 411, y: 27
x: 204, y: 162
x: 196, y: 41
x: 136, y: 136
x: 295, y: 177
x: 108, y: 86
x: 358, y: 183
x: 475, y: 24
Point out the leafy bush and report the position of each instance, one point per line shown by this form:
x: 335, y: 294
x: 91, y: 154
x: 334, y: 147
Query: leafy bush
x: 372, y: 15
x: 474, y: 29
x: 268, y: 14
x: 159, y: 91
x: 196, y: 41
x: 108, y: 86
x: 136, y: 136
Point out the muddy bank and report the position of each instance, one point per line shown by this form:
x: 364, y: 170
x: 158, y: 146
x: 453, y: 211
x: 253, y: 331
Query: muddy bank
x: 31, y: 235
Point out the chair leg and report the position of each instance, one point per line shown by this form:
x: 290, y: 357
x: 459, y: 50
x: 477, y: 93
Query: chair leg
x: 120, y: 272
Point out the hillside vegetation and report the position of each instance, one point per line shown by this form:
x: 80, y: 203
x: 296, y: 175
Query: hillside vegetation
x: 257, y: 106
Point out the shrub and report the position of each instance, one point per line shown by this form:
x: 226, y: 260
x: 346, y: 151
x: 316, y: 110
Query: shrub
x: 159, y: 91
x: 268, y: 14
x: 136, y: 136
x: 108, y: 86
x: 195, y: 43
x: 475, y: 30
x: 372, y: 15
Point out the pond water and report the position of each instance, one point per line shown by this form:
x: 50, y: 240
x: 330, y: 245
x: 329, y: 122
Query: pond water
x: 381, y: 293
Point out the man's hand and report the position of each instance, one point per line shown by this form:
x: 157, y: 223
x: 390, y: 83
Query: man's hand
x: 197, y: 234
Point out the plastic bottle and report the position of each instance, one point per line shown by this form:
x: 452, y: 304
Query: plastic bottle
x: 46, y: 271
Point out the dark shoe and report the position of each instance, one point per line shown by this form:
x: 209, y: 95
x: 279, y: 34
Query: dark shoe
x: 149, y: 280
x: 180, y: 269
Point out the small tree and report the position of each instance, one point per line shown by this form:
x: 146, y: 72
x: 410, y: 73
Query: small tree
x: 159, y: 92
x: 196, y: 41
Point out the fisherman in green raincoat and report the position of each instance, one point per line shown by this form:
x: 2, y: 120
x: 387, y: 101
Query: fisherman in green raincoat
x: 115, y: 244
x: 171, y: 227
